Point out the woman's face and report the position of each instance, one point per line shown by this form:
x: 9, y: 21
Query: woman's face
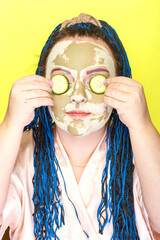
x: 79, y: 111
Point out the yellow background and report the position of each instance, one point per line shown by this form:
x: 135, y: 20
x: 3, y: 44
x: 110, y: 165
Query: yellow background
x: 26, y: 24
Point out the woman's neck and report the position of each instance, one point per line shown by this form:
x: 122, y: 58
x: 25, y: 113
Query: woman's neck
x: 80, y: 148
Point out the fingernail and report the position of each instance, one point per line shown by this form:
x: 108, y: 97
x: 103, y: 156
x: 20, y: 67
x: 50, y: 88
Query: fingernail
x: 51, y: 83
x: 105, y: 82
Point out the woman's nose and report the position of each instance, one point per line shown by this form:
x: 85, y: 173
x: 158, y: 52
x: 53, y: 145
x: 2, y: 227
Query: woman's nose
x: 79, y: 95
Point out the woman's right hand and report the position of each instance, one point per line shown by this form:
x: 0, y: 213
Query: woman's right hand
x: 27, y: 94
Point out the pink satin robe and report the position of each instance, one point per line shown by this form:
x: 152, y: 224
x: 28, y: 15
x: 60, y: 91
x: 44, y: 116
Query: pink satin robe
x: 86, y: 196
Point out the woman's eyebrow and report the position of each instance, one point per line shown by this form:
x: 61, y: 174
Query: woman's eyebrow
x: 88, y: 72
x: 97, y: 70
x: 60, y: 69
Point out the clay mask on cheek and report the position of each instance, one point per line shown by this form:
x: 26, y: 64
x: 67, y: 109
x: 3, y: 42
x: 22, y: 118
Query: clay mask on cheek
x: 78, y: 57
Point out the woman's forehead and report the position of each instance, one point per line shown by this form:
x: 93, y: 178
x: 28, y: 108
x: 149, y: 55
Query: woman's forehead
x: 79, y: 55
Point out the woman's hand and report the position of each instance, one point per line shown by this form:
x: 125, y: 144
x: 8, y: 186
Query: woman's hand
x: 127, y: 97
x: 27, y: 94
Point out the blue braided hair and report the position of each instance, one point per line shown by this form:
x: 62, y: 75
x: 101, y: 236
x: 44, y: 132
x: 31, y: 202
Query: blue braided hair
x: 117, y: 195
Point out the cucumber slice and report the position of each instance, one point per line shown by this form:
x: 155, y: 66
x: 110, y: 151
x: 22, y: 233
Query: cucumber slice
x: 96, y: 84
x: 60, y: 84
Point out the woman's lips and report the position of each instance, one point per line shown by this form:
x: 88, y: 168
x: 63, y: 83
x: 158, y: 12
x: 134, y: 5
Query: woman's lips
x: 78, y: 114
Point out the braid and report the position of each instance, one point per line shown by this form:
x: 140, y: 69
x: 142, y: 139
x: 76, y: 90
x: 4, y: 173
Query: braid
x: 49, y: 212
x: 117, y: 178
x: 48, y: 209
x: 117, y: 195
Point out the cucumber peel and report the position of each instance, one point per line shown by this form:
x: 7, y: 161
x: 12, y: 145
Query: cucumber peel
x: 60, y: 84
x: 96, y: 84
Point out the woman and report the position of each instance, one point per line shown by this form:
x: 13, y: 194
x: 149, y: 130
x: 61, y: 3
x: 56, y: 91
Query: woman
x: 84, y: 181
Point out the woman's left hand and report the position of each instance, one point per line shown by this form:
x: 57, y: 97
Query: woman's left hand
x: 127, y: 97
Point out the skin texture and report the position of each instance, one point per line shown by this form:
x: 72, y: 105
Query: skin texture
x: 82, y: 60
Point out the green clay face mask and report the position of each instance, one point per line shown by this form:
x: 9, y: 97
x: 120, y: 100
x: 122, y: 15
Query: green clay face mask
x: 79, y: 111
